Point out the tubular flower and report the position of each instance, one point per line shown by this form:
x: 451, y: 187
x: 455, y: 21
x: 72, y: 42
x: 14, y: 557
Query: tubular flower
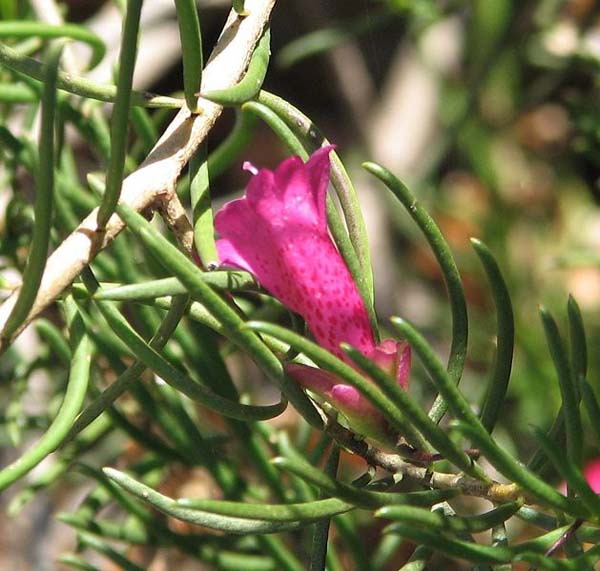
x: 591, y: 472
x: 278, y: 232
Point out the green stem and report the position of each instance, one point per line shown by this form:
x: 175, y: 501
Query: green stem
x: 120, y: 115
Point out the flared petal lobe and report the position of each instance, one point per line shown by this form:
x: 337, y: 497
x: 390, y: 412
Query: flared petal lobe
x: 394, y: 358
x: 278, y: 232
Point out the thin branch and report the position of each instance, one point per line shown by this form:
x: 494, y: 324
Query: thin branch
x: 395, y: 464
x: 157, y: 175
x: 175, y: 217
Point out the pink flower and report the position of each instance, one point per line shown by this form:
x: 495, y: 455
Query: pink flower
x: 278, y: 232
x: 592, y: 475
x: 591, y: 472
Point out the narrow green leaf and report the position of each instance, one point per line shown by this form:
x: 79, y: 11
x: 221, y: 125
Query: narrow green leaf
x: 76, y: 562
x: 88, y: 541
x: 170, y: 507
x: 508, y: 466
x: 144, y: 127
x: 281, y: 554
x: 107, y: 529
x: 155, y: 361
x: 9, y: 9
x: 197, y: 545
x: 306, y: 130
x: 230, y: 280
x: 229, y: 150
x: 473, y: 429
x: 29, y: 29
x: 176, y: 262
x: 108, y: 491
x: 538, y: 463
x: 413, y: 412
x: 319, y: 552
x: 40, y: 240
x: 384, y: 552
x: 505, y: 338
x: 570, y: 472
x: 350, y: 534
x: 305, y: 511
x: 438, y: 521
x: 252, y: 81
x: 55, y: 339
x: 80, y: 85
x: 472, y: 551
x: 585, y: 533
x: 360, y: 497
x: 74, y: 396
x: 325, y: 39
x: 592, y: 407
x: 441, y: 250
x: 578, y: 342
x: 448, y: 390
x: 14, y: 94
x: 418, y: 560
x: 191, y: 50
x: 91, y: 437
x: 204, y: 230
x: 568, y: 390
x: 120, y: 114
x: 145, y: 438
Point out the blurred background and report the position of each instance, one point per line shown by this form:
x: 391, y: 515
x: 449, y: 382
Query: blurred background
x: 487, y: 109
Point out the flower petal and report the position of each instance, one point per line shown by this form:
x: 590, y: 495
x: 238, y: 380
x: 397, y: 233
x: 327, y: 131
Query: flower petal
x: 319, y: 381
x: 279, y: 233
x: 592, y: 475
x: 394, y: 358
x: 362, y: 416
